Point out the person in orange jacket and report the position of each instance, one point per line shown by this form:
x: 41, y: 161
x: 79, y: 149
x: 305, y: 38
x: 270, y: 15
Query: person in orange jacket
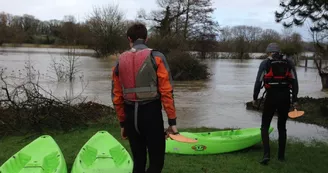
x: 141, y: 84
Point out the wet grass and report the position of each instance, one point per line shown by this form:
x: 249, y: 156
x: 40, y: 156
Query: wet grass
x: 316, y: 110
x: 300, y: 157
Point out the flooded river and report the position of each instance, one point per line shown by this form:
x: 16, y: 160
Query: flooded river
x: 218, y: 102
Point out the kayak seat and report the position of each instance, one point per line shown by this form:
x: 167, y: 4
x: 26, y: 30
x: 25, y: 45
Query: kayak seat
x: 117, y: 155
x: 51, y: 162
x: 102, y: 153
x: 41, y: 155
x: 120, y: 155
x: 17, y: 162
x: 88, y: 155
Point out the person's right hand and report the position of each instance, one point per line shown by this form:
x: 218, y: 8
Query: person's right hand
x: 172, y: 130
x: 123, y: 134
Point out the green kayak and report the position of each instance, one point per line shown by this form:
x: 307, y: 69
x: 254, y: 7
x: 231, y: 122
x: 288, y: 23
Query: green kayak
x: 216, y: 142
x: 103, y: 153
x: 43, y: 155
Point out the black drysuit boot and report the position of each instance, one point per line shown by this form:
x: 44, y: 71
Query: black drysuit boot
x: 282, y: 145
x: 266, y: 146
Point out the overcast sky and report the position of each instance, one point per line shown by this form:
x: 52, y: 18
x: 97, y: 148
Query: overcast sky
x: 228, y: 12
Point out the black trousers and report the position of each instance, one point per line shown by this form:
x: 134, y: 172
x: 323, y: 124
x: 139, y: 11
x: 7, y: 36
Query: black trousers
x: 275, y: 101
x: 149, y: 135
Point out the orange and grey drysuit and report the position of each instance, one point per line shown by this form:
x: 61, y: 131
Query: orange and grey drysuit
x: 279, y: 77
x: 141, y: 83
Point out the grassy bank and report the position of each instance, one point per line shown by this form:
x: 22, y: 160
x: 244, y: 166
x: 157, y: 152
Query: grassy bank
x: 300, y: 158
x: 316, y: 110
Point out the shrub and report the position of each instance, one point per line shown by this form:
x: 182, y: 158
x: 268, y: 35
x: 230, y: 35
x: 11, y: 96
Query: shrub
x: 184, y: 66
x: 25, y: 106
x: 52, y: 115
x: 167, y: 44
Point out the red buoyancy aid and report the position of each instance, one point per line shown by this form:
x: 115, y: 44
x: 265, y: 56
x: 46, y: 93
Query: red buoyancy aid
x: 279, y: 74
x: 138, y: 76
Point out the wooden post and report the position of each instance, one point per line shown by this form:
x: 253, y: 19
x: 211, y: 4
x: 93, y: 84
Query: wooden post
x: 306, y: 62
x: 324, y: 80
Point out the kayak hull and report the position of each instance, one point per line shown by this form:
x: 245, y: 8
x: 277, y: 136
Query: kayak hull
x: 103, y: 153
x: 42, y: 155
x: 216, y: 142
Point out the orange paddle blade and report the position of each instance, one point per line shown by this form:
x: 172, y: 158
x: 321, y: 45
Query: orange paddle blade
x: 295, y: 113
x: 181, y: 138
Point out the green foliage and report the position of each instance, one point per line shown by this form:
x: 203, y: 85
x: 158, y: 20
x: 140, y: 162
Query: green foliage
x: 52, y: 116
x: 289, y: 50
x: 184, y: 66
x: 167, y: 44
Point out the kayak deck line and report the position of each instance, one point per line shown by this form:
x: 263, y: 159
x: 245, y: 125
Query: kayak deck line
x: 215, y: 142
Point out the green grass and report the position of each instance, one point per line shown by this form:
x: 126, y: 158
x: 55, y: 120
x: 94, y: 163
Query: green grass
x: 300, y: 158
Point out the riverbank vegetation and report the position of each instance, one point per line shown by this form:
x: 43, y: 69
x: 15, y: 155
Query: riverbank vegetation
x: 27, y: 106
x: 178, y: 26
x: 183, y: 22
x: 315, y: 109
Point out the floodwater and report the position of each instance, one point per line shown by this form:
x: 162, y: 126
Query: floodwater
x: 218, y: 102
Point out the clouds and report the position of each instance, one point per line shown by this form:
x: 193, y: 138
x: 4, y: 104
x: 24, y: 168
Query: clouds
x: 228, y: 12
x: 251, y: 12
x: 57, y: 9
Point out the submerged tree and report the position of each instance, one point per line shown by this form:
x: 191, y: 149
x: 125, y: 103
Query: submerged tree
x: 107, y: 28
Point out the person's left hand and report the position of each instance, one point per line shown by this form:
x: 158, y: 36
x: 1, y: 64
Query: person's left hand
x: 171, y: 130
x: 254, y: 103
x: 295, y: 105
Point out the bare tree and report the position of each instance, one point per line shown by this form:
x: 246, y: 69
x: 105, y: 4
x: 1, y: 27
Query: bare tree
x: 270, y: 35
x: 3, y: 27
x: 244, y: 37
x: 67, y: 66
x: 320, y: 41
x: 107, y: 29
x: 295, y: 13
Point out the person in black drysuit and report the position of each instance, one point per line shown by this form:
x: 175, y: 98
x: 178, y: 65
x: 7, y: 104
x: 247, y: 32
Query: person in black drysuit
x: 277, y: 98
x: 142, y: 121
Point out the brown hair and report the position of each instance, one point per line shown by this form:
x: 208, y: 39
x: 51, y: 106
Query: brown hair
x: 137, y: 31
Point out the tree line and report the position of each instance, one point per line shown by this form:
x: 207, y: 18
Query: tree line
x: 177, y: 24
